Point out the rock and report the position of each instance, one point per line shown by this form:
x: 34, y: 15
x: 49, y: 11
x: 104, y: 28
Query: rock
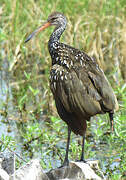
x: 3, y: 173
x: 31, y: 171
x: 7, y: 162
x: 75, y: 171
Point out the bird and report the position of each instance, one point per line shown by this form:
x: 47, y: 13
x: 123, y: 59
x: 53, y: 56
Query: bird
x: 78, y: 84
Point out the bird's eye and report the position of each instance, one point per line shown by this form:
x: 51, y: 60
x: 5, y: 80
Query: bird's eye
x: 53, y: 19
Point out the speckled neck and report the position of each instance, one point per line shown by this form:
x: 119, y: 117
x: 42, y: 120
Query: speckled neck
x: 55, y: 36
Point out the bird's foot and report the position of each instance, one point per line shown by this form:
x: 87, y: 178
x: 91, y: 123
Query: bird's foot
x: 81, y: 160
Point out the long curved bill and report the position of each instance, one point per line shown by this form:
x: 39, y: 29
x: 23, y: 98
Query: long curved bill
x: 41, y: 28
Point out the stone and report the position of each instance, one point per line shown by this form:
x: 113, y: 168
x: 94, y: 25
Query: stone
x: 75, y: 171
x: 3, y: 173
x: 8, y: 162
x: 31, y: 171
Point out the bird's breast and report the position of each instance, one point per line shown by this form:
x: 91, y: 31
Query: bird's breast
x: 59, y: 75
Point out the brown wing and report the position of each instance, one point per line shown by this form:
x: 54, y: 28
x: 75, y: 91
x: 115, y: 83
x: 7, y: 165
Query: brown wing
x: 80, y: 90
x: 89, y: 73
x: 76, y: 100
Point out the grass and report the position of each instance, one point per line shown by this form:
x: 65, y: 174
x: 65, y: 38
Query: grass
x: 97, y: 27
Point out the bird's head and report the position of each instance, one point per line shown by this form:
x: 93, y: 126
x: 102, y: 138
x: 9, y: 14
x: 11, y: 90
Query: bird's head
x: 55, y: 19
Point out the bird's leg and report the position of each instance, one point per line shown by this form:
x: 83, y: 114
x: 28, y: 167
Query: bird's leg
x: 66, y: 161
x: 111, y: 121
x: 82, y: 153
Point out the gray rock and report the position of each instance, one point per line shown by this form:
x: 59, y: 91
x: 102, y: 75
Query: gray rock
x: 75, y: 171
x: 3, y: 173
x: 7, y: 162
x: 31, y: 171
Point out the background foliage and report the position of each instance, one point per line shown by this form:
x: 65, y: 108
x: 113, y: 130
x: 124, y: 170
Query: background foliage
x: 28, y: 115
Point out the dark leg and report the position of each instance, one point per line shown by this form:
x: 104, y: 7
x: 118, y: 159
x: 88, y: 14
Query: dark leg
x: 66, y: 161
x: 111, y: 121
x: 82, y: 153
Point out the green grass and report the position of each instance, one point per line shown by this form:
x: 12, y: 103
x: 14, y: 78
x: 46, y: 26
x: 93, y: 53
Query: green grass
x: 97, y: 27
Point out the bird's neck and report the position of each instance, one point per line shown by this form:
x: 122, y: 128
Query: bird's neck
x: 55, y: 38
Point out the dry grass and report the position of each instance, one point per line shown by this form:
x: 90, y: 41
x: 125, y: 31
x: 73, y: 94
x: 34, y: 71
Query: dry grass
x: 97, y: 27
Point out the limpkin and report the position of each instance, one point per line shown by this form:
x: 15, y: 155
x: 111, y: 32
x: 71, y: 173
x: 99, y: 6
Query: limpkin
x: 79, y: 86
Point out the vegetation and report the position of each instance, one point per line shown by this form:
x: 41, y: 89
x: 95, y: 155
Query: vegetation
x: 28, y: 115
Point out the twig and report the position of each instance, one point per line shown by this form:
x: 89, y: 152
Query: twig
x: 33, y: 139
